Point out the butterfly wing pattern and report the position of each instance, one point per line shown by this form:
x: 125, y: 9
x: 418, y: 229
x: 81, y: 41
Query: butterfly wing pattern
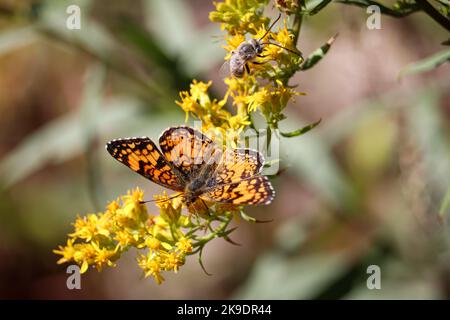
x: 237, y: 165
x: 188, y: 150
x: 233, y: 176
x: 142, y: 156
x: 253, y: 191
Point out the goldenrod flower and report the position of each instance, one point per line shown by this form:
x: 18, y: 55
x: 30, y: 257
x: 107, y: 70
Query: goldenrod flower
x: 151, y: 266
x: 232, y: 43
x: 239, y: 16
x: 67, y: 252
x: 172, y: 261
x: 184, y: 245
x: 170, y: 209
x: 103, y: 256
x: 152, y: 243
x: 257, y: 99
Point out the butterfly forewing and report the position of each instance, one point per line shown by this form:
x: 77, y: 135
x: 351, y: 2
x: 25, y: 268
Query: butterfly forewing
x: 188, y: 150
x: 142, y: 156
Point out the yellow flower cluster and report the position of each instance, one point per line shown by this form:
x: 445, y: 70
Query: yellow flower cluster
x: 238, y: 16
x: 248, y: 94
x: 214, y: 117
x: 99, y: 239
x: 167, y: 238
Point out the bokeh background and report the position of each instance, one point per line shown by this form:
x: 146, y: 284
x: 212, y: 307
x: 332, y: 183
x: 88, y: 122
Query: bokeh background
x: 367, y: 186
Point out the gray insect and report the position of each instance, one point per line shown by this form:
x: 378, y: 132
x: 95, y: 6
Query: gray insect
x: 246, y: 53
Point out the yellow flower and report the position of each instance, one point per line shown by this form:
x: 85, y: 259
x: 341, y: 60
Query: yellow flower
x: 184, y: 245
x: 261, y: 33
x: 67, y: 252
x: 103, y: 256
x: 257, y: 99
x: 112, y: 207
x: 84, y: 255
x: 284, y: 38
x: 91, y: 226
x: 170, y: 209
x: 232, y: 43
x: 239, y: 16
x: 124, y: 238
x: 172, y: 261
x: 151, y: 266
x: 187, y: 103
x: 132, y: 211
x: 239, y: 121
x: 152, y: 243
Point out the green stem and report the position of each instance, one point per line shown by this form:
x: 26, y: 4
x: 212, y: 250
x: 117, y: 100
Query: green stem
x: 297, y: 25
x: 205, y: 239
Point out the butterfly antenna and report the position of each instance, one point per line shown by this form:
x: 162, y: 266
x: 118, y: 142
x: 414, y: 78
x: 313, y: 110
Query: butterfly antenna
x: 277, y: 45
x: 159, y: 200
x: 270, y: 28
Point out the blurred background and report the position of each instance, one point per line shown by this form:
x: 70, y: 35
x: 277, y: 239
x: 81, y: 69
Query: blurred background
x: 367, y: 186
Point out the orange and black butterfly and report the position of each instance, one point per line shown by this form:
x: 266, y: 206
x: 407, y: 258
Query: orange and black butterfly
x: 194, y: 165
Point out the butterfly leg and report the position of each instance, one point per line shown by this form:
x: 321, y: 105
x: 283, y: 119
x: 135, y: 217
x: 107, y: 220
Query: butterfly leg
x: 247, y: 68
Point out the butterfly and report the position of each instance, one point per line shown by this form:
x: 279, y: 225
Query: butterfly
x: 191, y: 163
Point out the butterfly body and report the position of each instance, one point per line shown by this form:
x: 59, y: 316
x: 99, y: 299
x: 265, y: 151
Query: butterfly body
x: 196, y: 186
x: 191, y: 163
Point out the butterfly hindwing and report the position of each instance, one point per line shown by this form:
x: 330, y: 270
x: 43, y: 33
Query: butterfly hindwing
x: 142, y: 156
x: 237, y: 165
x: 252, y: 191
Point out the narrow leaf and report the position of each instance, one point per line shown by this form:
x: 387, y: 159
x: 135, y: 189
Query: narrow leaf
x: 426, y: 64
x: 301, y: 131
x: 252, y: 219
x: 317, y: 55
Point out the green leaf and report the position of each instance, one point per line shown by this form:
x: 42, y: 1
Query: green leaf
x: 317, y: 55
x: 252, y: 219
x: 426, y: 64
x: 301, y: 131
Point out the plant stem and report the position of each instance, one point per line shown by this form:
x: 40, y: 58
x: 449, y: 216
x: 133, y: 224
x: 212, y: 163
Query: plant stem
x: 203, y: 240
x: 434, y: 14
x: 297, y: 25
